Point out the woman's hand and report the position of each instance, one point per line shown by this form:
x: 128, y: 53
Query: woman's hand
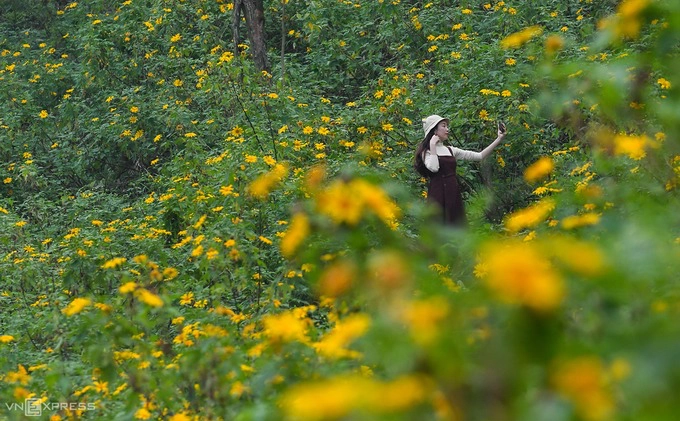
x: 502, y: 130
x: 433, y: 142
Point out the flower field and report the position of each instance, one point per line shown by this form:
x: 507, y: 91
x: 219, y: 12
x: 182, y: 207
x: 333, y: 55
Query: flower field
x: 185, y: 236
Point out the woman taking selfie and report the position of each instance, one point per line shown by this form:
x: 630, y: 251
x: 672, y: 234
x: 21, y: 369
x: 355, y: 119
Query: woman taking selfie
x: 436, y: 160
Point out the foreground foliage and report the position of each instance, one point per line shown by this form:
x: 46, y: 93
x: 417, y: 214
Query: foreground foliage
x: 183, y: 237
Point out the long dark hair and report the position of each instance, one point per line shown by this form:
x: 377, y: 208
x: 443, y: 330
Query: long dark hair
x: 418, y: 162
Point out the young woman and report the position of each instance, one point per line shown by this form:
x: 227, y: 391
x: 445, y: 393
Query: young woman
x: 437, y: 160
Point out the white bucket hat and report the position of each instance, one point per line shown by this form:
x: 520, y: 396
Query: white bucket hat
x: 431, y: 122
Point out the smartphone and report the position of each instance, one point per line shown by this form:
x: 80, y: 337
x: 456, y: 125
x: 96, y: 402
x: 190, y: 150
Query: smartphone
x: 501, y: 127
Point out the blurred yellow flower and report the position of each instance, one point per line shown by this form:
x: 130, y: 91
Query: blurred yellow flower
x: 265, y: 183
x: 518, y: 273
x: 5, y: 339
x: 339, y: 396
x: 286, y: 327
x: 114, y: 263
x: 631, y: 146
x: 76, y: 306
x: 583, y: 381
x: 530, y: 216
x: 20, y: 376
x: 142, y: 414
x: 346, y: 202
x: 424, y: 318
x: 149, y: 298
x: 334, y: 344
x: 295, y: 234
x: 539, y: 169
x: 627, y: 21
x: 579, y: 256
x: 337, y: 279
x: 520, y: 38
x: 576, y: 221
x: 170, y: 273
x: 553, y: 44
x: 127, y: 287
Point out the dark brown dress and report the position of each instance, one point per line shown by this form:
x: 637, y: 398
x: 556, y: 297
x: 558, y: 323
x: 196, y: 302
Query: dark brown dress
x: 445, y: 191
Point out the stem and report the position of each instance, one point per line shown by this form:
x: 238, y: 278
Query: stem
x: 245, y: 112
x: 283, y: 43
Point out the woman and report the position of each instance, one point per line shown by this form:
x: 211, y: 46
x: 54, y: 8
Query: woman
x: 437, y: 161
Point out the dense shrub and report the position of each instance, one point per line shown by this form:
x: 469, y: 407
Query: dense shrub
x: 186, y: 238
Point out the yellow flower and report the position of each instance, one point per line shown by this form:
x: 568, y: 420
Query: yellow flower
x: 376, y: 200
x: 264, y: 184
x: 76, y: 306
x: 20, y: 376
x: 389, y: 270
x: 583, y: 381
x: 43, y: 114
x: 200, y: 222
x: 576, y: 221
x: 345, y: 202
x: 337, y: 397
x: 180, y: 416
x: 334, y: 344
x: 424, y: 318
x: 149, y: 298
x: 530, y: 216
x: 579, y: 256
x: 197, y: 251
x: 627, y: 21
x: 553, y: 44
x: 520, y: 38
x: 187, y: 299
x: 663, y: 83
x: 518, y: 273
x: 114, y: 263
x: 5, y: 339
x: 286, y: 327
x: 631, y: 146
x: 539, y: 169
x: 170, y: 273
x: 340, y: 204
x: 142, y: 414
x: 127, y: 287
x: 175, y: 38
x: 295, y: 234
x: 337, y: 278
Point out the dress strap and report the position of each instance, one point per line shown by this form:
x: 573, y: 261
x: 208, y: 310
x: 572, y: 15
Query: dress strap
x: 450, y: 150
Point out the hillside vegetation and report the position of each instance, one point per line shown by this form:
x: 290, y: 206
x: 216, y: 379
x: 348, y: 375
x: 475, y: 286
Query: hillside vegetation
x: 184, y: 236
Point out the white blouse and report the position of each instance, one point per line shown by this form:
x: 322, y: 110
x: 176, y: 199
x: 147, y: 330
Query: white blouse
x: 432, y: 162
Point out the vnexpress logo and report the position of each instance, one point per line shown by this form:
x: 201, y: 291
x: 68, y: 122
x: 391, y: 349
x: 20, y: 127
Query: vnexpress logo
x: 33, y: 407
